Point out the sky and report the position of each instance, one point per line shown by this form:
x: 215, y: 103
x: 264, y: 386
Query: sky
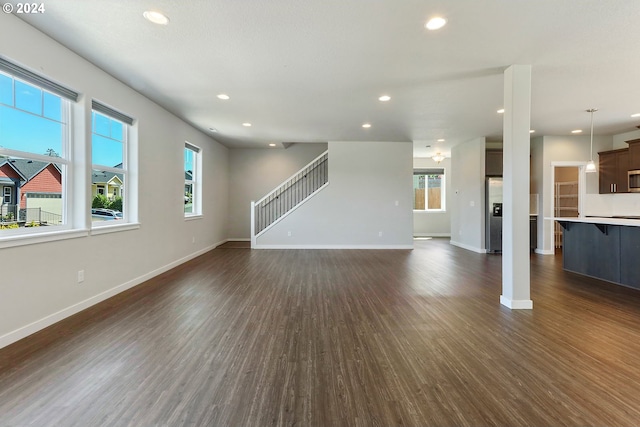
x: 32, y: 120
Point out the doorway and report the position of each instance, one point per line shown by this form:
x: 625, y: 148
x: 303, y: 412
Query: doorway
x: 565, y: 197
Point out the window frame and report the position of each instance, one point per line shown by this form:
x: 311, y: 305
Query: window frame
x: 426, y: 172
x: 195, y: 181
x: 68, y: 100
x: 129, y: 210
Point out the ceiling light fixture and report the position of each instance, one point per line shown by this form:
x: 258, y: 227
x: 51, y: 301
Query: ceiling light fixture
x: 247, y: 125
x: 438, y: 158
x: 213, y: 129
x: 156, y: 17
x: 635, y: 115
x: 531, y: 131
x: 223, y: 96
x: 366, y: 125
x: 272, y: 145
x: 576, y: 131
x: 591, y: 167
x: 500, y: 111
x: 441, y: 140
x: 384, y: 98
x: 435, y: 23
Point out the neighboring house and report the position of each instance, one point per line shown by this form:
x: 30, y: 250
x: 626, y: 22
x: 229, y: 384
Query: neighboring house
x: 108, y: 184
x: 31, y: 185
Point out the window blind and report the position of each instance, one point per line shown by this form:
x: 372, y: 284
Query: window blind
x: 36, y: 79
x: 108, y: 111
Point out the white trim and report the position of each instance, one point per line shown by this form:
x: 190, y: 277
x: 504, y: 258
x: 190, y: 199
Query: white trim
x: 190, y: 217
x: 114, y: 228
x: 286, y: 214
x: 544, y: 252
x: 10, y: 241
x: 468, y: 247
x: 238, y: 239
x: 333, y: 247
x: 432, y: 235
x: 286, y: 180
x: 516, y: 304
x: 49, y: 320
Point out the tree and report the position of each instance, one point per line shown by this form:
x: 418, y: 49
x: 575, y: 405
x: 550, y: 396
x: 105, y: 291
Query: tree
x: 51, y: 153
x: 99, y: 202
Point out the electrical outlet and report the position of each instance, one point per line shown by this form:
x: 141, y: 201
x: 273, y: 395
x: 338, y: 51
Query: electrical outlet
x: 397, y: 203
x: 80, y: 276
x: 379, y: 233
x: 289, y: 233
x: 193, y: 239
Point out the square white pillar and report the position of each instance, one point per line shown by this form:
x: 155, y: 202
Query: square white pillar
x: 515, y: 204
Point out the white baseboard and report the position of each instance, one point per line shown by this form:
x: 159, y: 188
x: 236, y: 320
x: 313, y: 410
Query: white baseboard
x: 333, y: 247
x: 432, y: 235
x: 468, y: 247
x: 49, y: 320
x: 545, y: 251
x: 522, y: 304
x: 238, y: 239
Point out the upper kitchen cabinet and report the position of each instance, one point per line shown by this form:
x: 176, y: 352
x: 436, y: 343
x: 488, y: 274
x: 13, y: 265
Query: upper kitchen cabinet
x: 613, y: 169
x: 493, y: 162
x: 634, y: 154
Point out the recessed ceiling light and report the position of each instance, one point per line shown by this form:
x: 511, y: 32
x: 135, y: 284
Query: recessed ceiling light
x: 384, y: 98
x: 441, y: 140
x: 247, y: 125
x: 223, y: 96
x: 576, y: 131
x: 366, y: 125
x: 156, y: 17
x: 531, y: 131
x: 635, y: 115
x: 500, y: 111
x: 435, y: 23
x: 213, y: 129
x: 272, y: 145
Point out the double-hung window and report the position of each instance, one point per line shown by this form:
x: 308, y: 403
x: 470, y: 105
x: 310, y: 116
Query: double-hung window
x: 429, y: 189
x: 192, y: 180
x: 110, y: 172
x: 35, y: 152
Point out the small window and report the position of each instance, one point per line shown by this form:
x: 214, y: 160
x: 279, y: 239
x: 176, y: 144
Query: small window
x: 7, y: 196
x: 192, y: 180
x: 429, y: 189
x: 111, y: 169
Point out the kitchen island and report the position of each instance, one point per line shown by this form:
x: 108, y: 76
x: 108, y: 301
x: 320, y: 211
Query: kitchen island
x: 607, y: 248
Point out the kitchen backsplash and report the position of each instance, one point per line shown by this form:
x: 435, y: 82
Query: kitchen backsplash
x: 612, y: 204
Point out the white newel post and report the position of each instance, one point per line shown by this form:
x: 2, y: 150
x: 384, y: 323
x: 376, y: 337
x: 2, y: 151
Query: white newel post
x: 253, y: 224
x: 515, y: 213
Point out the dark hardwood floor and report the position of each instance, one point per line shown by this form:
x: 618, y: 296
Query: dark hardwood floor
x: 336, y: 338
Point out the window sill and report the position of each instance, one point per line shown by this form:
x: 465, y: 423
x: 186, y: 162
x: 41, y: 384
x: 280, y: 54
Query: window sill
x: 105, y: 229
x: 193, y: 216
x: 41, y: 237
x: 429, y: 211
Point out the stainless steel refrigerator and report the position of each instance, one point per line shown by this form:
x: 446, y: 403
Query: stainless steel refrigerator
x: 493, y: 215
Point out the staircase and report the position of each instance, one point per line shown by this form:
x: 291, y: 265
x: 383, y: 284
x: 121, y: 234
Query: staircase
x: 287, y: 196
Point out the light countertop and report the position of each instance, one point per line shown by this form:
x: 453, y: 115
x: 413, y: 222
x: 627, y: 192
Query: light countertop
x: 601, y: 220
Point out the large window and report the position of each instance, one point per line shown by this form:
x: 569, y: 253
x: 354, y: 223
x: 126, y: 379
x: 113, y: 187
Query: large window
x: 35, y: 152
x: 110, y: 166
x: 192, y: 180
x: 428, y: 189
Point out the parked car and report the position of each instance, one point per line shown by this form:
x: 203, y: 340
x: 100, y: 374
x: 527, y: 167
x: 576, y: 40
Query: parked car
x: 105, y: 214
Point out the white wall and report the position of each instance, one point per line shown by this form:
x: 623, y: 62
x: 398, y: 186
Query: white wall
x: 467, y: 200
x: 620, y: 140
x: 434, y: 223
x: 253, y: 173
x: 39, y: 281
x: 365, y: 181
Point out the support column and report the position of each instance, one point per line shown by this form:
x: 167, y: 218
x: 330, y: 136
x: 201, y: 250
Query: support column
x: 515, y: 209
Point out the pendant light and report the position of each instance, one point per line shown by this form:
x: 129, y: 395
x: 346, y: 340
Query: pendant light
x: 591, y: 167
x: 438, y: 158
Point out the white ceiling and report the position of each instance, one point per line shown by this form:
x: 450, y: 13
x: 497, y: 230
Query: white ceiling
x: 312, y: 70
